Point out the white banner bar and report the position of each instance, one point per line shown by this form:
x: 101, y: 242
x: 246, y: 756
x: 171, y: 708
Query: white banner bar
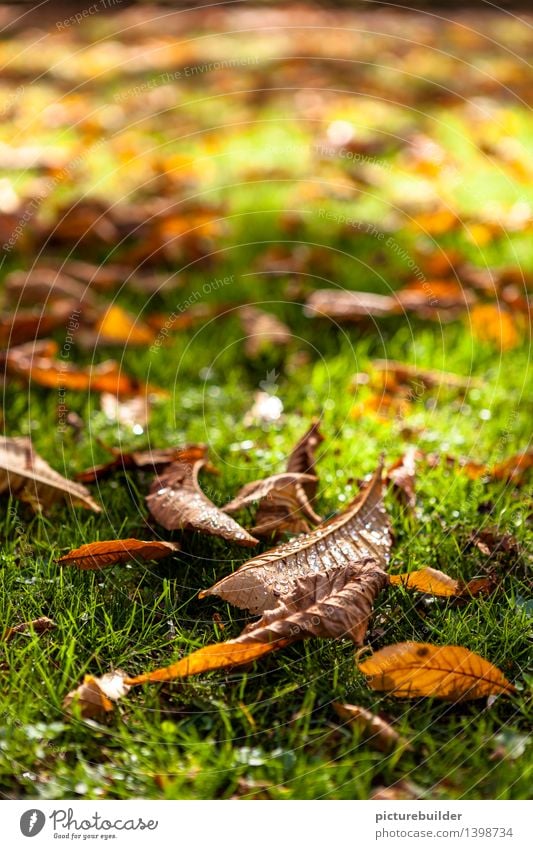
x: 267, y: 824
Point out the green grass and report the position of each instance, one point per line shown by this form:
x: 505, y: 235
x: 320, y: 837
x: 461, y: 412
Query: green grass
x: 270, y: 731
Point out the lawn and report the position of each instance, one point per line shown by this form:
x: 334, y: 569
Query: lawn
x: 299, y: 153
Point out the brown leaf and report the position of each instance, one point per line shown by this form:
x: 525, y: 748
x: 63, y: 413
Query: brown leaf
x: 302, y: 458
x: 361, y: 532
x: 402, y: 476
x: 176, y: 501
x: 283, y: 504
x: 95, y: 696
x: 99, y: 555
x: 25, y: 475
x: 342, y: 305
x: 377, y: 732
x: 43, y: 285
x: 333, y: 604
x: 262, y: 330
x: 38, y: 625
x: 438, y: 583
x: 412, y: 670
x: 28, y: 362
x: 155, y: 459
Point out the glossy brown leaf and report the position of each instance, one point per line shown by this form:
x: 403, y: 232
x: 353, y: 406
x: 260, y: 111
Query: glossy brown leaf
x: 361, y: 532
x: 302, y: 458
x: 96, y: 696
x: 39, y: 626
x: 99, y: 555
x: 176, y: 501
x: 25, y: 475
x: 437, y: 583
x: 413, y: 670
x: 332, y: 604
x: 379, y: 734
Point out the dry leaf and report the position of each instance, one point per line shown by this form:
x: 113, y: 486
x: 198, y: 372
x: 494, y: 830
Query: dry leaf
x: 176, y: 501
x: 95, y: 696
x: 43, y: 285
x: 262, y: 330
x: 155, y: 460
x: 283, y: 504
x: 402, y: 476
x: 333, y: 604
x: 438, y: 583
x: 25, y: 475
x: 38, y: 625
x: 361, y: 532
x: 342, y: 305
x: 99, y: 555
x: 379, y: 734
x: 302, y: 458
x: 412, y: 670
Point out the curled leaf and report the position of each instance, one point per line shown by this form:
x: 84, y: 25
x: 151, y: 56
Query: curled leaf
x: 25, y: 475
x: 176, y: 501
x: 413, y: 670
x: 360, y: 533
x: 154, y: 459
x: 283, y: 504
x: 99, y: 555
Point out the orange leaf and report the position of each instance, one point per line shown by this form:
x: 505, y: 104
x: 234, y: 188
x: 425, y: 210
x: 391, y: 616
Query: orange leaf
x: 95, y: 696
x: 438, y: 583
x: 116, y: 325
x: 412, y: 670
x: 491, y: 324
x: 217, y: 656
x: 98, y: 555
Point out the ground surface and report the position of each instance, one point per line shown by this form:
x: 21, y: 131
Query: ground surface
x: 221, y: 115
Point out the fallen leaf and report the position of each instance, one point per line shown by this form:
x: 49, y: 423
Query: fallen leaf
x: 404, y: 373
x: 38, y: 625
x: 134, y: 412
x: 95, y: 696
x: 437, y: 583
x: 99, y: 555
x: 262, y: 330
x: 413, y: 670
x: 155, y: 459
x: 491, y: 324
x: 45, y: 285
x: 342, y: 305
x: 282, y: 507
x: 402, y: 476
x: 333, y: 604
x: 119, y: 327
x: 176, y: 501
x: 25, y: 475
x: 285, y: 499
x: 513, y: 468
x: 380, y: 734
x: 362, y: 531
x: 108, y: 376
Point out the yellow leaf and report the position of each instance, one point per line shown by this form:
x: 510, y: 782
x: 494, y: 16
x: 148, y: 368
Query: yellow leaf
x: 117, y: 326
x: 438, y: 583
x: 412, y: 670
